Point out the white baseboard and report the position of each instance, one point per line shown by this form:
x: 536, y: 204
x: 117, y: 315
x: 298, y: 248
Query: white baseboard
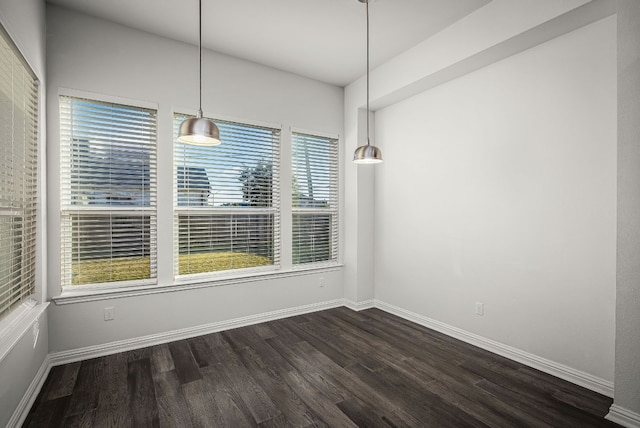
x: 21, y: 412
x: 623, y: 417
x: 553, y: 368
x: 359, y: 306
x: 79, y: 354
x: 616, y: 414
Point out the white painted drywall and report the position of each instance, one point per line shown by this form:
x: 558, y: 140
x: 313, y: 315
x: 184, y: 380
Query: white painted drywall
x: 25, y: 22
x: 627, y: 378
x: 500, y: 187
x: 89, y: 54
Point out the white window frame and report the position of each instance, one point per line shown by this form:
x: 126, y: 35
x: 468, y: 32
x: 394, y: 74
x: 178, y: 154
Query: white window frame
x: 27, y: 210
x: 335, y: 211
x: 92, y: 288
x: 275, y: 210
x: 167, y: 280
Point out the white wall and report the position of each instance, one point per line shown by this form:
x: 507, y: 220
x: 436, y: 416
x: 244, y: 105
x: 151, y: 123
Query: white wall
x: 627, y: 379
x: 24, y: 21
x: 500, y: 187
x: 88, y: 54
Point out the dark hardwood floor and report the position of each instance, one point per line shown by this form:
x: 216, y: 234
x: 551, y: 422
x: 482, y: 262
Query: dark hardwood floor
x: 336, y: 368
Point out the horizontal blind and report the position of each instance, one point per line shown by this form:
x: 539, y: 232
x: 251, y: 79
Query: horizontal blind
x: 226, y: 200
x: 314, y: 197
x: 18, y: 176
x: 108, y: 192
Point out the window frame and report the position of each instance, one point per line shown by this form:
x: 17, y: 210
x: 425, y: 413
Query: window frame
x: 167, y: 281
x: 275, y: 209
x: 29, y: 207
x: 336, y: 211
x: 152, y: 209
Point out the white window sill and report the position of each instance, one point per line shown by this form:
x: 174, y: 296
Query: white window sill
x: 17, y: 324
x: 95, y: 294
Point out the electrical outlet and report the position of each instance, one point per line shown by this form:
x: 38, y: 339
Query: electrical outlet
x: 109, y: 314
x: 479, y: 308
x: 321, y: 281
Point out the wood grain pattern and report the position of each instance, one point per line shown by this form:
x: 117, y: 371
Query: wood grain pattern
x: 334, y: 368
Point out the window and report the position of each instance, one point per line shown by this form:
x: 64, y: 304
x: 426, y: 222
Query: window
x: 18, y: 176
x: 226, y: 201
x: 108, y: 192
x: 314, y: 198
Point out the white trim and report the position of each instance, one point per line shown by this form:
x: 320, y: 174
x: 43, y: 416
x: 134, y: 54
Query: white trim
x: 623, y: 417
x: 105, y: 98
x: 616, y: 414
x: 329, y: 135
x: 359, y: 306
x: 21, y: 321
x: 225, y: 118
x: 553, y: 368
x: 81, y: 296
x: 79, y: 354
x: 30, y: 395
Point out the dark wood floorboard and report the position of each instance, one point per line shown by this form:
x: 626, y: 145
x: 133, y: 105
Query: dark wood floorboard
x: 334, y: 368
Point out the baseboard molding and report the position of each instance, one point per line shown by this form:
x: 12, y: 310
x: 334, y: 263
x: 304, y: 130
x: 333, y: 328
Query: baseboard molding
x: 79, y: 354
x: 623, y: 417
x: 616, y: 414
x: 21, y: 412
x: 359, y: 306
x: 553, y: 368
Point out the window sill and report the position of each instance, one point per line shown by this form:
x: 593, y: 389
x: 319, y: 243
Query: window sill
x: 80, y: 296
x: 17, y: 324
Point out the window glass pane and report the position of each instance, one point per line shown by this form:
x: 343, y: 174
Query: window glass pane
x: 240, y: 172
x: 108, y: 248
x: 312, y: 238
x: 211, y: 243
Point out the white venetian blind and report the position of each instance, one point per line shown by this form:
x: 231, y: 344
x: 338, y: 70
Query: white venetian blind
x: 108, y: 196
x: 314, y: 198
x: 18, y: 176
x: 226, y: 201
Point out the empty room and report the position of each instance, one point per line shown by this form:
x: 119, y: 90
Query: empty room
x: 372, y: 213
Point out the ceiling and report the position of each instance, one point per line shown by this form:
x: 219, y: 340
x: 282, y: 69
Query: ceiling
x: 321, y: 39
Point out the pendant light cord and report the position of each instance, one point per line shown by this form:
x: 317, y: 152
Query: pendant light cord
x: 367, y: 9
x: 200, y: 54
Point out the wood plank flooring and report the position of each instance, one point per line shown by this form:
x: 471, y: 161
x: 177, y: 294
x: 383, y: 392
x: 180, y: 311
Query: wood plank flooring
x: 335, y: 368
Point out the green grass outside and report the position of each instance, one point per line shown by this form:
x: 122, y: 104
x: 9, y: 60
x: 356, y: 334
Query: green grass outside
x: 133, y: 268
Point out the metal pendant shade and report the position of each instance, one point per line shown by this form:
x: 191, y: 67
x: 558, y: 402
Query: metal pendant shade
x: 367, y: 154
x: 199, y: 131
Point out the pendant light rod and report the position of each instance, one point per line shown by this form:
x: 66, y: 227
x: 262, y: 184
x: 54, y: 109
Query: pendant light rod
x: 367, y: 9
x: 197, y: 130
x: 367, y: 154
x: 200, y: 56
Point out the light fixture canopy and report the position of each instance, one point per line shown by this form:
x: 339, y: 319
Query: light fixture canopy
x: 367, y: 154
x: 199, y: 131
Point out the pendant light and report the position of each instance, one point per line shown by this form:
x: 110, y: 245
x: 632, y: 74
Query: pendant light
x: 199, y: 131
x: 367, y: 153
